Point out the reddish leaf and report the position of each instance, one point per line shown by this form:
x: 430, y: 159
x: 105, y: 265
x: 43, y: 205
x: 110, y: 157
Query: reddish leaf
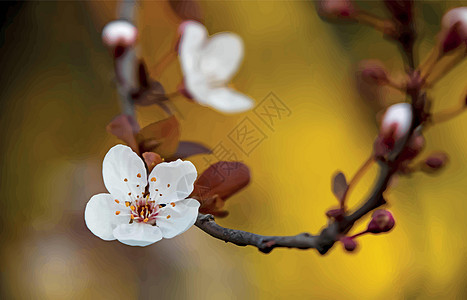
x: 339, y: 185
x: 186, y: 149
x: 160, y: 137
x: 220, y: 181
x: 124, y: 127
x: 187, y: 9
x: 151, y: 159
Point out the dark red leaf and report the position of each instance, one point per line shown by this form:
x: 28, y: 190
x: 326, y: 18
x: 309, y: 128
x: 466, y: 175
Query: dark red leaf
x: 125, y: 127
x: 161, y: 137
x: 186, y: 149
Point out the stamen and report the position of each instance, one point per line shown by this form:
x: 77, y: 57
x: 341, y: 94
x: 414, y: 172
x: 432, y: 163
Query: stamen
x: 168, y: 217
x: 160, y: 195
x: 132, y: 217
x: 137, y: 185
x: 127, y: 203
x: 138, y: 175
x: 117, y: 201
x: 125, y: 179
x: 145, y: 220
x: 168, y: 185
x: 129, y: 194
x: 173, y: 204
x: 153, y: 179
x: 117, y: 212
x: 133, y: 207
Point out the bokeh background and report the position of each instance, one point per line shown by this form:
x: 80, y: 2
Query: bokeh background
x: 57, y: 95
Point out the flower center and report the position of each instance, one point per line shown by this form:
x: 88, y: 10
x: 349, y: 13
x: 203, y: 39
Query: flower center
x: 144, y: 210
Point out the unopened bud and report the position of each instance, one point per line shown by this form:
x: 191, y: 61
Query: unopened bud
x: 333, y: 9
x: 372, y: 71
x: 435, y: 162
x: 381, y: 221
x: 119, y: 33
x: 414, y: 146
x: 349, y: 243
x: 395, y: 125
x: 454, y: 29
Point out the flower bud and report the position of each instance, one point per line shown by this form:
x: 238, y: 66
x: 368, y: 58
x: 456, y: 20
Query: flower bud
x: 454, y: 29
x: 435, y: 162
x: 381, y: 221
x: 395, y: 125
x: 333, y: 9
x: 373, y: 72
x: 349, y: 243
x: 414, y: 146
x: 119, y: 33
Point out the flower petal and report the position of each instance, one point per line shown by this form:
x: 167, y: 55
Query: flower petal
x: 173, y: 181
x: 228, y: 100
x: 221, y: 57
x: 100, y: 216
x: 124, y: 173
x: 177, y: 218
x: 137, y: 234
x: 193, y: 37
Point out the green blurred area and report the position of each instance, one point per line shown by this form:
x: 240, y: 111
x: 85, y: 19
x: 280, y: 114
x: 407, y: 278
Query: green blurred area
x: 57, y: 95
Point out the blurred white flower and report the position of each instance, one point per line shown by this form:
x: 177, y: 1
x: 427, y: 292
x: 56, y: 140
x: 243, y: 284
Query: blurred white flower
x: 208, y: 64
x: 119, y: 33
x: 134, y: 216
x: 397, y: 120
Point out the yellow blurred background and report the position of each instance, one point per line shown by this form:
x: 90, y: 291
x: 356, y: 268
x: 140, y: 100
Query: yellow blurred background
x: 57, y: 96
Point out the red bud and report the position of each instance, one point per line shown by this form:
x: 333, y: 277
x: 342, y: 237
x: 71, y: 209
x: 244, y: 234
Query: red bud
x: 381, y: 221
x: 349, y: 243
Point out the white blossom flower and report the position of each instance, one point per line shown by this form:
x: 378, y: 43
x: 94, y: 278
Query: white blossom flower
x: 142, y: 210
x: 399, y: 118
x: 208, y: 64
x: 119, y: 33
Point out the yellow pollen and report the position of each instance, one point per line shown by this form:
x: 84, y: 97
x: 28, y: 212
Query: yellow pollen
x: 153, y: 179
x: 168, y: 217
x: 133, y: 208
x: 125, y: 179
x: 173, y: 204
x: 138, y: 175
x: 117, y: 212
x: 127, y: 203
x: 132, y: 217
x: 117, y: 201
x: 145, y: 220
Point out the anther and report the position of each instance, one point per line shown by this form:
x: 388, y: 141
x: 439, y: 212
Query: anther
x: 133, y: 208
x: 168, y: 185
x: 117, y: 212
x: 117, y: 201
x: 125, y: 179
x: 153, y: 179
x: 173, y: 204
x: 138, y: 175
x: 145, y: 220
x: 168, y: 217
x: 127, y: 203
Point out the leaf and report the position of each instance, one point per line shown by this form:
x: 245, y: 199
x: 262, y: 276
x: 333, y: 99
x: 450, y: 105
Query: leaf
x: 339, y: 185
x: 186, y: 149
x: 217, y: 183
x: 124, y: 127
x: 150, y: 91
x: 161, y: 137
x: 151, y: 159
x: 187, y: 9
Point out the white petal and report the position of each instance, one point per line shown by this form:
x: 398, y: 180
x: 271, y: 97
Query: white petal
x: 119, y: 31
x: 221, y: 57
x: 100, y: 216
x: 173, y: 180
x: 193, y: 37
x: 182, y: 216
x: 228, y: 100
x: 137, y: 234
x: 122, y: 163
x: 400, y: 114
